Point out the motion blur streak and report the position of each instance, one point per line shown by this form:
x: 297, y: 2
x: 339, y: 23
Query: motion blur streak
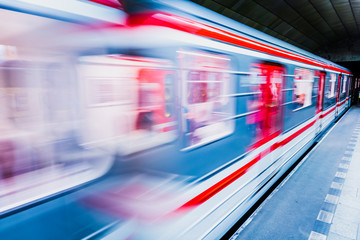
x: 40, y: 119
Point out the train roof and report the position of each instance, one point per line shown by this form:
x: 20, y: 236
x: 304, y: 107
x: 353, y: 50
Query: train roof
x: 203, y: 14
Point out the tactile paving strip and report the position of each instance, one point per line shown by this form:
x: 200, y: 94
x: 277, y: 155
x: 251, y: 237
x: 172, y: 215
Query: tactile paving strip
x: 331, y: 222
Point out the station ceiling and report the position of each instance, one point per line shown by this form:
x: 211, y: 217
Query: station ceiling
x: 328, y: 28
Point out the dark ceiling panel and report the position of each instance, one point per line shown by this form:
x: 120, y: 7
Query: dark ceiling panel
x: 289, y: 15
x: 228, y: 3
x: 328, y: 13
x: 312, y: 17
x: 213, y: 5
x: 355, y: 5
x: 355, y: 8
x: 344, y: 13
x: 280, y: 9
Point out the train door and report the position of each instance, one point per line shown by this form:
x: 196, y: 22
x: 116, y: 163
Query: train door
x: 155, y: 100
x: 320, y: 100
x: 348, y: 91
x: 269, y: 113
x: 338, y: 96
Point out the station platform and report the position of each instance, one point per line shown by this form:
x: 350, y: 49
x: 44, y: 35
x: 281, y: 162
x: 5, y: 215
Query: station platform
x: 320, y: 199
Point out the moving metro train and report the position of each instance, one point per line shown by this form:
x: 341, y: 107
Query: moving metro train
x: 170, y: 125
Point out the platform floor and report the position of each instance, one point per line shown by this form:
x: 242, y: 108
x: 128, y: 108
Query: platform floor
x: 321, y: 199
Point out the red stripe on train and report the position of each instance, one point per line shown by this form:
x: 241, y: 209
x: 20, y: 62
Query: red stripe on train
x: 210, y: 192
x: 200, y: 29
x: 325, y: 114
x: 339, y: 104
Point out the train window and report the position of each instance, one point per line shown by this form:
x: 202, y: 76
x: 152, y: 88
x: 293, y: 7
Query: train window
x: 39, y: 150
x: 331, y: 92
x: 130, y: 102
x: 303, y: 84
x: 206, y: 102
x: 344, y: 84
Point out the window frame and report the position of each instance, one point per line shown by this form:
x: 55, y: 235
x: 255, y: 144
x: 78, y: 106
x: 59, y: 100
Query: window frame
x: 344, y: 83
x: 312, y: 87
x: 332, y: 86
x: 184, y: 71
x: 138, y: 63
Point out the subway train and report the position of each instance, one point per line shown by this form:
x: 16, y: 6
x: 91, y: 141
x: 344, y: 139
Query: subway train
x: 170, y: 123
